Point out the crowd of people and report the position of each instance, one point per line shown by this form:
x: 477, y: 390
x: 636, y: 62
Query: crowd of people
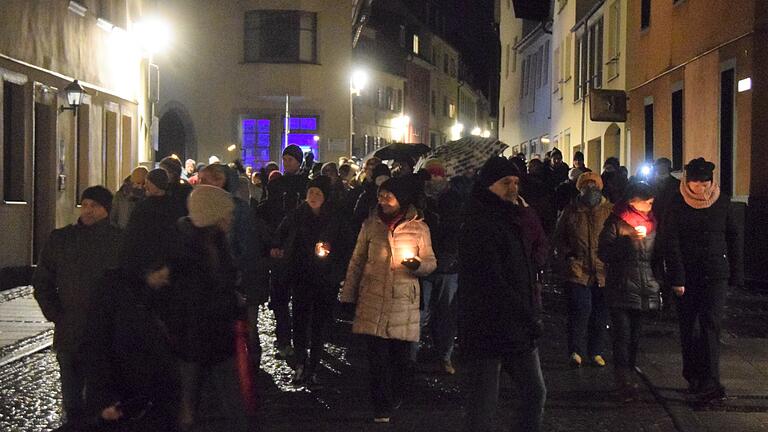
x: 147, y: 288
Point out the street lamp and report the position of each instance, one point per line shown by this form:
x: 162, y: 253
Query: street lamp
x: 75, y: 93
x: 476, y: 131
x: 359, y: 81
x: 456, y: 131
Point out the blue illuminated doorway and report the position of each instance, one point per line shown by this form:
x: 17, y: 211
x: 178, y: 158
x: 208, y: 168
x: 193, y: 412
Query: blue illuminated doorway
x: 303, y: 134
x: 256, y: 142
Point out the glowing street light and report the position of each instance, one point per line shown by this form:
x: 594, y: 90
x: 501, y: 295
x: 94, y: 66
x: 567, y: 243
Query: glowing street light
x: 359, y: 80
x: 456, y: 131
x: 400, y: 125
x: 476, y: 131
x: 486, y: 134
x: 152, y: 34
x: 316, y: 138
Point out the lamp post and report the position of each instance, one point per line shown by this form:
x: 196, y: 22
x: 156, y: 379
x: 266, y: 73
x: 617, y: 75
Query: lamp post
x: 75, y: 93
x: 357, y: 82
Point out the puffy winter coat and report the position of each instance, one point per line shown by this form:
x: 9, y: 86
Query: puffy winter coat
x: 703, y: 244
x: 498, y: 312
x: 576, y: 238
x: 386, y: 292
x: 631, y: 281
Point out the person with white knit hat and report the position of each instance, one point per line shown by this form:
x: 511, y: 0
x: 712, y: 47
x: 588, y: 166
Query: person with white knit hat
x: 207, y: 305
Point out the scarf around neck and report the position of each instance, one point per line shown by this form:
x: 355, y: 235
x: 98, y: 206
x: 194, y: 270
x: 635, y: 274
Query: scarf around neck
x: 391, y: 221
x: 634, y: 218
x: 699, y: 201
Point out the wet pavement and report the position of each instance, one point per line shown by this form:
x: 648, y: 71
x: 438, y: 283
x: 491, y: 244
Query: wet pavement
x: 578, y: 399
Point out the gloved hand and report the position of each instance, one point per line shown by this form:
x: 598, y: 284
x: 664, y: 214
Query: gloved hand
x: 411, y: 264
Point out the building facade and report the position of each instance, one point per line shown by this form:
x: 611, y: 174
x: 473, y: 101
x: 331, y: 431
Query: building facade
x: 49, y: 156
x: 240, y: 68
x: 548, y: 70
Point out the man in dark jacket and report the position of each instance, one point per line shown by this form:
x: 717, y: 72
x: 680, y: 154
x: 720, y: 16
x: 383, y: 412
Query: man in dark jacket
x: 704, y: 255
x: 666, y: 187
x: 67, y: 275
x: 499, y: 320
x: 178, y: 189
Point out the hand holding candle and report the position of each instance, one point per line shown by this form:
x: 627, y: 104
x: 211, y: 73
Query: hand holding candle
x: 410, y: 260
x: 641, y: 231
x: 322, y: 250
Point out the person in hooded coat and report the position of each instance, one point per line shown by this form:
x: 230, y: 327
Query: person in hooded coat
x: 704, y: 255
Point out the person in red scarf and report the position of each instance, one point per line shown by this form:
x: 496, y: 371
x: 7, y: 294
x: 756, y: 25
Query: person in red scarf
x: 627, y: 246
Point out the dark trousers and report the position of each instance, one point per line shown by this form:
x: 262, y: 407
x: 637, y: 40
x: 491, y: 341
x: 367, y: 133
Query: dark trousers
x: 72, y: 372
x: 312, y: 314
x: 627, y: 327
x: 280, y: 299
x: 482, y: 390
x: 702, y: 304
x: 587, y: 319
x: 389, y: 369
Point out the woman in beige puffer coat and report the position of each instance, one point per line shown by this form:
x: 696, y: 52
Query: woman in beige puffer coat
x: 393, y: 250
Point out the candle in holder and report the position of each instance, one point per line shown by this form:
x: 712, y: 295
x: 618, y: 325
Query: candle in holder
x: 641, y: 230
x: 408, y: 255
x: 321, y: 250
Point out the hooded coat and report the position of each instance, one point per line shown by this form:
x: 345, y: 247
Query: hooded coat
x: 387, y: 294
x: 576, y: 238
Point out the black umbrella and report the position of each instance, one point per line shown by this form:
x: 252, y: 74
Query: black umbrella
x: 398, y: 151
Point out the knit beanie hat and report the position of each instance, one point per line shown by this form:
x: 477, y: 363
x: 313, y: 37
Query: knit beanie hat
x: 99, y: 194
x: 699, y: 170
x: 208, y: 205
x: 159, y: 178
x: 589, y: 176
x: 403, y: 188
x: 323, y: 183
x: 295, y: 152
x: 171, y: 164
x: 435, y: 167
x: 574, y: 174
x: 556, y: 152
x: 496, y: 168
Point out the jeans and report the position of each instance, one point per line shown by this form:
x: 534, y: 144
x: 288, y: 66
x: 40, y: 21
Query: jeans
x: 280, y: 298
x: 438, y: 293
x: 254, y: 341
x: 587, y: 319
x: 483, y: 390
x: 702, y: 303
x: 390, y: 374
x: 72, y: 371
x: 627, y: 326
x: 222, y: 377
x: 312, y: 314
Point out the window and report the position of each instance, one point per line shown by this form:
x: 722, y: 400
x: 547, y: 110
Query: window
x: 596, y: 55
x: 445, y: 64
x: 452, y: 110
x: 13, y: 142
x: 415, y: 44
x: 545, y: 63
x: 399, y: 104
x: 556, y: 78
x: 614, y: 39
x: 433, y: 103
x: 579, y: 61
x: 503, y: 117
x: 645, y: 14
x: 567, y: 59
x: 276, y: 36
x: 506, y: 62
x: 677, y: 129
x: 445, y: 106
x: 523, y: 69
x: 391, y: 99
x: 649, y: 131
x: 514, y: 56
x: 402, y: 36
x: 539, y: 66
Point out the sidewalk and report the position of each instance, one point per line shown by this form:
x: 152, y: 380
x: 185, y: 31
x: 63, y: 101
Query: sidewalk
x: 23, y: 328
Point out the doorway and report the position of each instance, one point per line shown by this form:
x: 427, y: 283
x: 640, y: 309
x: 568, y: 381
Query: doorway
x: 46, y: 176
x: 727, y: 112
x: 594, y: 154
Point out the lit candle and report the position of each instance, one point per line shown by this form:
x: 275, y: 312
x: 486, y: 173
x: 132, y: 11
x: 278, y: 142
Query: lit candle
x: 641, y: 230
x: 408, y: 254
x: 321, y: 250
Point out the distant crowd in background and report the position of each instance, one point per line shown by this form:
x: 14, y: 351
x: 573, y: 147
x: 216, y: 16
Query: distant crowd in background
x: 156, y: 291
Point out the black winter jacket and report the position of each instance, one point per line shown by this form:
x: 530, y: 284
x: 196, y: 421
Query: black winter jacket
x: 126, y: 350
x: 497, y: 310
x: 630, y: 276
x: 703, y: 244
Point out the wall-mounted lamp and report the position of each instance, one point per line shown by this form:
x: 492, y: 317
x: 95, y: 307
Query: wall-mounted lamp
x: 75, y: 93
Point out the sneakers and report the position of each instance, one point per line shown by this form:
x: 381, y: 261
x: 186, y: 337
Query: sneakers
x: 575, y: 360
x: 598, y: 360
x: 447, y: 367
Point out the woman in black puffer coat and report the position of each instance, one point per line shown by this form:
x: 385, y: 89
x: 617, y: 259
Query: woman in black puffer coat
x: 703, y: 256
x: 627, y: 246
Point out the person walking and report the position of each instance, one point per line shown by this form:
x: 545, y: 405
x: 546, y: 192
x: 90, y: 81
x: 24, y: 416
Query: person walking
x: 704, y: 255
x: 393, y: 250
x: 314, y: 245
x: 628, y: 247
x: 178, y: 188
x: 127, y: 197
x: 67, y: 275
x: 499, y: 317
x: 576, y: 240
x: 205, y: 304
